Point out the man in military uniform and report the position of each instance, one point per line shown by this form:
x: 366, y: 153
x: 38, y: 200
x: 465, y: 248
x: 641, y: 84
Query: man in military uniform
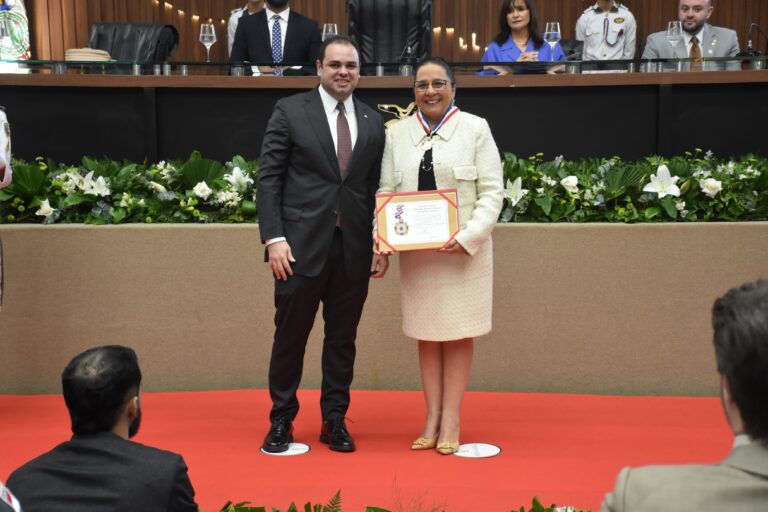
x: 234, y: 18
x: 608, y: 30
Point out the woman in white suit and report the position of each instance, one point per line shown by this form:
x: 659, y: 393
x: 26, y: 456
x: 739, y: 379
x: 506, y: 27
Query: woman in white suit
x: 5, y: 150
x: 446, y: 294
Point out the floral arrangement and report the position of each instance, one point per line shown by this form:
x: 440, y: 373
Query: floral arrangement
x: 109, y: 192
x: 334, y: 505
x: 694, y: 187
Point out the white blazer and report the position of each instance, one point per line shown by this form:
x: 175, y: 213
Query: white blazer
x: 5, y: 148
x: 465, y: 157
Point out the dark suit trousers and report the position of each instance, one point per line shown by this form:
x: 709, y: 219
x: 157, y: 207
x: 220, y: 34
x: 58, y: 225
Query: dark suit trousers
x: 296, y: 302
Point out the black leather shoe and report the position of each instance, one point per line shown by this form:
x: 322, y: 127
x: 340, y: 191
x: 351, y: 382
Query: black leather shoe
x: 280, y: 435
x: 335, y: 434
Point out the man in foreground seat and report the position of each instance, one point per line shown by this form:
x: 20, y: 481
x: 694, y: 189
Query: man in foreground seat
x: 100, y: 469
x: 740, y: 482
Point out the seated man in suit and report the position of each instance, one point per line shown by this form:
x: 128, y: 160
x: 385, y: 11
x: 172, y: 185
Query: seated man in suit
x: 700, y: 40
x: 278, y: 35
x: 100, y: 469
x: 740, y: 482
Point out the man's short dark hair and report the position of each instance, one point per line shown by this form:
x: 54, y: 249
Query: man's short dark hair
x: 338, y: 39
x: 740, y: 320
x: 96, y: 385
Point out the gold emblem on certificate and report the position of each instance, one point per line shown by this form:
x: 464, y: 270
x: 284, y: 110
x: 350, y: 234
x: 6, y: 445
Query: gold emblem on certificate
x: 411, y: 221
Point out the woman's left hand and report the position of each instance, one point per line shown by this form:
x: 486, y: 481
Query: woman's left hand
x: 454, y: 247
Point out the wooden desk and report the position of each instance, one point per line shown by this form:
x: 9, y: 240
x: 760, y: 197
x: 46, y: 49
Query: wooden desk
x: 163, y: 117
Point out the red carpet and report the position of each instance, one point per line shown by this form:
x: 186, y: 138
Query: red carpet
x: 566, y: 449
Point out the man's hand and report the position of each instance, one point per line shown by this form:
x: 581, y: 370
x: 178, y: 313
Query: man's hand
x: 453, y: 247
x: 379, y: 266
x: 280, y: 259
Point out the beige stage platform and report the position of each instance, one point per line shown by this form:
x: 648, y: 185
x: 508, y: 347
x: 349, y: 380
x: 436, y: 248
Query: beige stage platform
x: 596, y: 308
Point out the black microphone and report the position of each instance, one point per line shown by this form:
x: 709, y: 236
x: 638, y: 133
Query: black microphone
x: 754, y: 53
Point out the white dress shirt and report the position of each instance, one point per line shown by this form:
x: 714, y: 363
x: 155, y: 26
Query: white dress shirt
x: 330, y: 105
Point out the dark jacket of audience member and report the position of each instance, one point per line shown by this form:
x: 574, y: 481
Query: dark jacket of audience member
x: 100, y: 469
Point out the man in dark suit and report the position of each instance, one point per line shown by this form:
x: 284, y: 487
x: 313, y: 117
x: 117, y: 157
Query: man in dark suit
x: 99, y: 469
x: 320, y: 166
x: 277, y: 34
x: 740, y: 482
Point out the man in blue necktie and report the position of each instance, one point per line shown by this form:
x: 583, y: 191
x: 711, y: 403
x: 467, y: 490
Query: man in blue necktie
x: 277, y: 39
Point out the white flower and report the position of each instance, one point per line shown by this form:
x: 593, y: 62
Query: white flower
x: 45, y: 209
x: 515, y: 191
x: 588, y: 194
x: 702, y: 173
x: 711, y: 187
x: 230, y: 199
x: 96, y: 187
x: 548, y: 181
x: 680, y: 205
x: 158, y: 188
x: 571, y: 184
x: 238, y: 179
x: 662, y: 183
x: 729, y: 168
x: 539, y: 191
x: 100, y: 188
x: 125, y: 202
x: 202, y: 190
x: 708, y: 155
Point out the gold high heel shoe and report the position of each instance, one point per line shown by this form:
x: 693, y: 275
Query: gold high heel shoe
x: 447, y: 448
x: 424, y: 443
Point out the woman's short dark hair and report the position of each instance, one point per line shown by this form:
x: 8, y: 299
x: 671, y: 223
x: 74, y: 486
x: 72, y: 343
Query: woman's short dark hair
x: 96, y: 385
x: 533, y: 23
x: 437, y: 61
x: 740, y: 321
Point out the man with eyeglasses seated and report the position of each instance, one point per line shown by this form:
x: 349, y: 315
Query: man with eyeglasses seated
x: 700, y: 40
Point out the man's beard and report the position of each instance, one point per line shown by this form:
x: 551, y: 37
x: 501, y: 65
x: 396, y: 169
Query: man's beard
x: 133, y: 428
x: 277, y: 3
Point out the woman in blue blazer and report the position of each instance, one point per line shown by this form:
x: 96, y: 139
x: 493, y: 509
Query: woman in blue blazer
x: 519, y: 39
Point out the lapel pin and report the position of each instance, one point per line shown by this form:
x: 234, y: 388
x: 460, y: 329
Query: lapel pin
x: 365, y: 116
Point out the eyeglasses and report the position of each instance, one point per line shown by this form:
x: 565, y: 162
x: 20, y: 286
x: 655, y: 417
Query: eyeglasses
x: 436, y: 85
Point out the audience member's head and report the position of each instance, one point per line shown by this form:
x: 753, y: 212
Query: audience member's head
x: 277, y: 5
x: 694, y: 14
x: 740, y: 321
x: 101, y: 390
x: 519, y: 16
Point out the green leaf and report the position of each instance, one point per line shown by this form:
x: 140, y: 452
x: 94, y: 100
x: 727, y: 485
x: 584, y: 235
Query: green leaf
x: 652, y: 212
x: 201, y: 169
x: 545, y: 202
x: 118, y: 214
x: 376, y: 509
x: 5, y: 196
x: 76, y: 199
x: 28, y: 181
x: 668, y: 203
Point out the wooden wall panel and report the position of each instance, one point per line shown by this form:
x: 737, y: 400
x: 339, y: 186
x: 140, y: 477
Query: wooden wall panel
x: 60, y: 24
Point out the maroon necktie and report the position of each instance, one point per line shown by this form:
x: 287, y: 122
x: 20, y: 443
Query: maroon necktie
x: 343, y: 140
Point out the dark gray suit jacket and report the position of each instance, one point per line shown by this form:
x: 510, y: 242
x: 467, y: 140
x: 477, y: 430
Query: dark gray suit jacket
x: 104, y: 473
x: 716, y: 42
x: 300, y: 190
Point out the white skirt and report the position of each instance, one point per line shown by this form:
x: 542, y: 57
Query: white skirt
x: 447, y: 297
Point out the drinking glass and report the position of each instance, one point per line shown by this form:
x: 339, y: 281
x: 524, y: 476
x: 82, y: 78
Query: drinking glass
x: 674, y: 33
x: 207, y: 37
x: 330, y: 30
x: 552, y: 36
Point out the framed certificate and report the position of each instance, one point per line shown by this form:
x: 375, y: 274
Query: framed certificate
x: 412, y: 221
